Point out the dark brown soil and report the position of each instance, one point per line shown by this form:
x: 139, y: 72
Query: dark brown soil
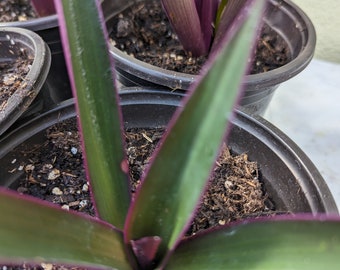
x: 12, y: 75
x: 16, y: 10
x: 54, y: 172
x: 235, y: 191
x: 143, y: 31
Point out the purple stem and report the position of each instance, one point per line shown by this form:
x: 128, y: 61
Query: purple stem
x: 44, y: 7
x: 185, y: 21
x: 207, y: 12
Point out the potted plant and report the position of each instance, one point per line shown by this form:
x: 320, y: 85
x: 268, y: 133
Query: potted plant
x: 284, y: 18
x: 57, y: 86
x: 147, y: 233
x: 24, y: 61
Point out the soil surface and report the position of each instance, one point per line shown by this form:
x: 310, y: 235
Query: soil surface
x: 143, y: 31
x: 53, y: 171
x: 16, y: 10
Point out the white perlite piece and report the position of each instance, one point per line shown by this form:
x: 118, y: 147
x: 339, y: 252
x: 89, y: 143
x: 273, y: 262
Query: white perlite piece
x: 54, y: 174
x: 57, y: 191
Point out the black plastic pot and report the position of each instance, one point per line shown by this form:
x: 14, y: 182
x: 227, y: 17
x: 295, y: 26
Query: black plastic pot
x: 15, y: 41
x: 291, y: 179
x: 284, y: 17
x: 57, y: 86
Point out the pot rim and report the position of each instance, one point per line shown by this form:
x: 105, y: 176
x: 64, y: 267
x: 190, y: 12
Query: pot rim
x: 36, y: 24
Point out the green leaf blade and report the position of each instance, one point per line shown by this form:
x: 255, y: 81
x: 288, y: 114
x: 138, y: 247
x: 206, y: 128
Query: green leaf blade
x: 97, y: 104
x: 34, y: 232
x: 177, y: 176
x: 263, y: 245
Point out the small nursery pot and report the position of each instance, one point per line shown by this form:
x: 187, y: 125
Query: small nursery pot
x: 287, y: 174
x: 15, y: 43
x: 57, y: 86
x: 284, y: 17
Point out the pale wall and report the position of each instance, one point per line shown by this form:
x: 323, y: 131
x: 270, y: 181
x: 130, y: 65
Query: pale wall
x: 325, y: 15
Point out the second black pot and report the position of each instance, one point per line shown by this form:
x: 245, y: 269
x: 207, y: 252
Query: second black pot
x: 291, y: 179
x: 283, y: 17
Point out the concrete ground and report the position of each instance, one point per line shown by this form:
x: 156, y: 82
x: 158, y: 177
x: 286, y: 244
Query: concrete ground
x: 307, y: 109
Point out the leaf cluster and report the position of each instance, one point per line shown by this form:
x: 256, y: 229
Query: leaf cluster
x: 146, y: 231
x: 201, y: 24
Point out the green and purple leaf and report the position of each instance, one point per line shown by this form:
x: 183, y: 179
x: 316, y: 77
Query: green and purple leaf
x: 185, y: 20
x: 91, y: 75
x: 174, y: 182
x: 207, y: 13
x: 33, y: 232
x: 228, y: 14
x: 219, y: 12
x: 295, y: 243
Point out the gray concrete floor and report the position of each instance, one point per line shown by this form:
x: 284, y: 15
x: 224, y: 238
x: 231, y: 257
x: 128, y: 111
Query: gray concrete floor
x: 307, y: 109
